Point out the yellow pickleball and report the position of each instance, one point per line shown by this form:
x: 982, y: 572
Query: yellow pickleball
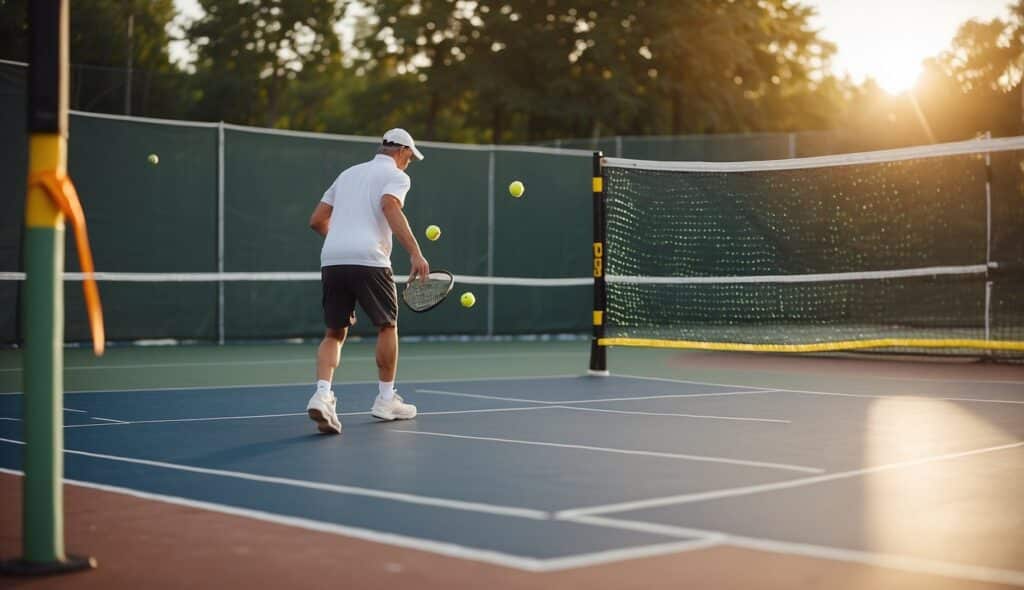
x: 467, y: 299
x: 153, y: 159
x: 433, y: 232
x: 516, y: 189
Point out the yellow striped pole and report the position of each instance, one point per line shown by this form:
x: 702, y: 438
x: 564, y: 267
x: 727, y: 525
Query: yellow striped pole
x: 43, y: 320
x: 598, y: 351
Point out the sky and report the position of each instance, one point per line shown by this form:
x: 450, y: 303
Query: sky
x: 884, y: 39
x: 888, y: 39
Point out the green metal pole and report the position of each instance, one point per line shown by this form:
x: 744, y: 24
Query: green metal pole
x: 43, y: 308
x: 44, y: 417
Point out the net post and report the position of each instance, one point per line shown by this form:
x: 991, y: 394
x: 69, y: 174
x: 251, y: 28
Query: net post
x: 988, y: 240
x: 598, y: 352
x: 491, y: 163
x: 43, y: 297
x: 220, y: 231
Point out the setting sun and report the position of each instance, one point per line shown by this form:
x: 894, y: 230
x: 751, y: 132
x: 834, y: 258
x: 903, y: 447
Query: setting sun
x: 888, y: 41
x: 896, y: 75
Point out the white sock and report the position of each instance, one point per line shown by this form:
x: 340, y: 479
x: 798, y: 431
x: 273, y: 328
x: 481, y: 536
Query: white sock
x: 386, y: 389
x: 323, y: 387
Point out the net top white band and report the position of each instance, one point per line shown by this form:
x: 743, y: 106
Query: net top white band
x: 235, y: 277
x: 232, y: 277
x: 973, y: 146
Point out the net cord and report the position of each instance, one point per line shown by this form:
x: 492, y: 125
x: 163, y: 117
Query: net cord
x: 210, y: 277
x: 988, y: 235
x: 972, y: 146
x: 234, y: 277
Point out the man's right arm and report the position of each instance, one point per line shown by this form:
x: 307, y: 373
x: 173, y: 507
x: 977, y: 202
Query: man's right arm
x: 320, y: 220
x: 400, y: 228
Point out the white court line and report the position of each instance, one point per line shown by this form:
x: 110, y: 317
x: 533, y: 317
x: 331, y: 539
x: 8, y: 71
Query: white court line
x: 527, y: 564
x: 710, y: 539
x: 770, y: 487
x: 589, y: 401
x: 906, y: 397
x: 207, y: 419
x: 324, y: 487
x: 76, y: 411
x: 935, y: 379
x: 310, y: 360
x: 309, y: 384
x: 110, y: 420
x: 910, y: 397
x: 254, y: 417
x: 668, y: 380
x: 11, y: 419
x: 484, y: 410
x: 480, y: 396
x: 396, y: 540
x: 665, y: 396
x: 659, y: 454
x: 613, y: 555
x: 877, y: 377
x: 668, y: 414
x: 886, y: 560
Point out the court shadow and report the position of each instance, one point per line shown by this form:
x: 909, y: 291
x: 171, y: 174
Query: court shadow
x: 311, y: 440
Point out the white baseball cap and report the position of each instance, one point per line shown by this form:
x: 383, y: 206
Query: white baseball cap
x: 402, y: 137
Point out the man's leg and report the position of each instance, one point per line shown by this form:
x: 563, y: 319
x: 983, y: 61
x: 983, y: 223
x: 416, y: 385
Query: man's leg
x: 339, y: 306
x: 379, y: 298
x: 328, y: 356
x: 322, y: 407
x: 389, y: 405
x: 387, y: 353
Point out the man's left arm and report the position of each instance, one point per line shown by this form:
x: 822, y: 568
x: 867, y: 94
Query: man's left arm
x: 320, y: 220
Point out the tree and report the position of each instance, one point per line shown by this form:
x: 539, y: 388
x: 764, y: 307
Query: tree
x: 975, y: 85
x: 14, y: 30
x: 530, y: 69
x: 249, y: 53
x: 99, y: 48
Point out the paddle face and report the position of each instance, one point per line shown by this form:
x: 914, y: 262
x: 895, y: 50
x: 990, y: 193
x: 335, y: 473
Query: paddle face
x: 423, y: 295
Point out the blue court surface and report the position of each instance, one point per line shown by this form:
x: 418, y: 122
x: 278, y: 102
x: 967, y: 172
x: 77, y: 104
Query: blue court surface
x: 551, y: 473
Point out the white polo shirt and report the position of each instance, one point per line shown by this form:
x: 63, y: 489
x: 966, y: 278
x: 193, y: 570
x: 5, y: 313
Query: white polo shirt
x: 359, y: 233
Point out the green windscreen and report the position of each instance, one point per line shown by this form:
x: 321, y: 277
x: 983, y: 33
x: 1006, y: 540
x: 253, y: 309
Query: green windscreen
x: 273, y: 183
x: 13, y: 166
x: 544, y: 234
x: 146, y: 218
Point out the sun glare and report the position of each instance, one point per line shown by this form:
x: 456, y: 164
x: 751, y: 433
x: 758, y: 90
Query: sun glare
x: 897, y: 77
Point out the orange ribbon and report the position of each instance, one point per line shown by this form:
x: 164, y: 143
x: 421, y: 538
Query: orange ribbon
x: 63, y: 194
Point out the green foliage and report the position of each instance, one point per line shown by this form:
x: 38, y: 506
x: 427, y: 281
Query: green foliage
x: 535, y: 69
x: 99, y: 45
x: 972, y: 87
x: 14, y: 30
x: 250, y: 53
x: 525, y: 70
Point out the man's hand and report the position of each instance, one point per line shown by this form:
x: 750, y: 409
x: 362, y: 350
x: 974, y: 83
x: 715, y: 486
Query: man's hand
x: 420, y: 268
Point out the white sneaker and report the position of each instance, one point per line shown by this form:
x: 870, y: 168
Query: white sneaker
x: 322, y: 409
x: 392, y: 409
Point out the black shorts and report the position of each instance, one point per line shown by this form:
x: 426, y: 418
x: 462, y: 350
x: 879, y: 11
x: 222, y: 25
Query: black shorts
x: 373, y: 287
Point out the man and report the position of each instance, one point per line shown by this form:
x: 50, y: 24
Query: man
x: 357, y: 216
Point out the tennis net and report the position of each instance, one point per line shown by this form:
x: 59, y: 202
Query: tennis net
x: 918, y: 249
